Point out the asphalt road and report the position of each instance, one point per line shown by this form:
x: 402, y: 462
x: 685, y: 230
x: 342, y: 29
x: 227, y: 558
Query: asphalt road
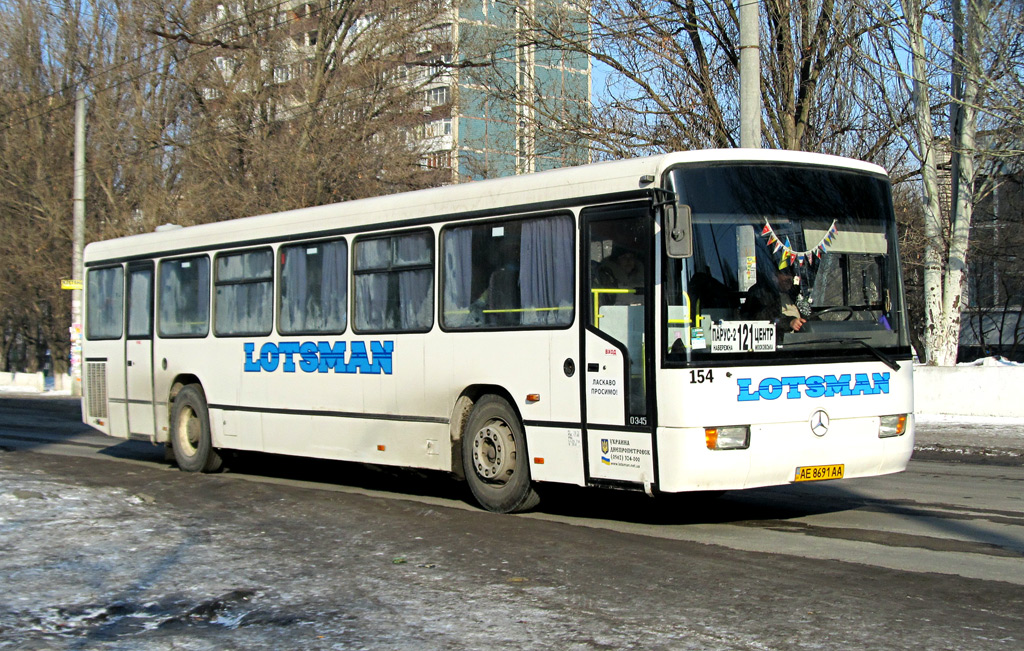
x: 104, y: 544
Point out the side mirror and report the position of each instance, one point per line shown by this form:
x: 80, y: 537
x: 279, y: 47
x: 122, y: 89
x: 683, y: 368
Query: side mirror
x: 678, y: 232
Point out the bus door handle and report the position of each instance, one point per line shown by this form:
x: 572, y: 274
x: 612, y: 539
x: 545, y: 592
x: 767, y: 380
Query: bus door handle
x: 593, y: 367
x: 130, y: 362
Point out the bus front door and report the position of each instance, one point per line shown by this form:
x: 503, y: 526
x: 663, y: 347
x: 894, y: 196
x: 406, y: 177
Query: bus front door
x: 618, y: 376
x: 139, y: 351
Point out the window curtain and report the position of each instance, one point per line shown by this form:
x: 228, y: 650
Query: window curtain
x: 333, y: 297
x: 412, y: 249
x: 201, y: 324
x: 244, y: 309
x: 546, y: 271
x: 371, y: 301
x: 293, y: 291
x: 415, y: 287
x: 416, y: 299
x: 140, y: 304
x: 170, y: 295
x: 458, y: 277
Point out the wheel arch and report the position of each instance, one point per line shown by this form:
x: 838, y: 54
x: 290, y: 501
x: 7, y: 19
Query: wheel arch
x: 193, y: 451
x: 180, y: 382
x: 460, y: 416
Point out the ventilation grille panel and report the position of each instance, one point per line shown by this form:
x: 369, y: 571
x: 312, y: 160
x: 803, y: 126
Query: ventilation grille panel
x: 96, y: 388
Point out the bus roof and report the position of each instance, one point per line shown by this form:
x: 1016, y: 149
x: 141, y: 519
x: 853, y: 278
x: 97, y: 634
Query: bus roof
x: 529, y: 191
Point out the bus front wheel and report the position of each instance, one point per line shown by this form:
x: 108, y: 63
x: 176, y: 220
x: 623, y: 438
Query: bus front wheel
x: 494, y: 458
x: 190, y: 432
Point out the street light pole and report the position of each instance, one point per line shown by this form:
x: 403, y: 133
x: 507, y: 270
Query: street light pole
x: 78, y: 244
x: 750, y: 73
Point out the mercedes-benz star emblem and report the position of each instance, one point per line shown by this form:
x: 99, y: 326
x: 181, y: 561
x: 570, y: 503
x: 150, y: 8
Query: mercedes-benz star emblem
x: 819, y: 422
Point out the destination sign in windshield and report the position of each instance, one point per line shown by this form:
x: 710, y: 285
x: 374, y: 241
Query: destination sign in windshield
x: 743, y: 337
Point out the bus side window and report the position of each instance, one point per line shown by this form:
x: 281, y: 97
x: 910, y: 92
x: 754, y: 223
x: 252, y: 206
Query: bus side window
x: 314, y: 288
x: 105, y: 300
x: 509, y: 274
x: 394, y: 283
x: 245, y: 292
x: 185, y: 297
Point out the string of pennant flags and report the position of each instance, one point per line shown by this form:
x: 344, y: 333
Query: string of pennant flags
x: 791, y: 257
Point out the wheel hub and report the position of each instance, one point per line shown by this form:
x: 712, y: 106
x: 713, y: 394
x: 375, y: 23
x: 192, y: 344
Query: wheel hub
x: 189, y: 427
x: 494, y: 452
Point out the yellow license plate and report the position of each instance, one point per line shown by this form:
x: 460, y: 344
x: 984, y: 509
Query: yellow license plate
x: 820, y: 473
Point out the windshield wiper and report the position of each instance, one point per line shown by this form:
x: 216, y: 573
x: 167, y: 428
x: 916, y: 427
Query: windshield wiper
x: 882, y: 357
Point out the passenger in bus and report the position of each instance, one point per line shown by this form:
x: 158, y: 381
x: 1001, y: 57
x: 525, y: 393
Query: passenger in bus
x: 500, y: 299
x: 709, y: 295
x: 772, y: 299
x: 622, y: 270
x: 502, y: 296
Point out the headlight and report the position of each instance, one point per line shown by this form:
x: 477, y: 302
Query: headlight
x: 727, y: 438
x: 889, y: 426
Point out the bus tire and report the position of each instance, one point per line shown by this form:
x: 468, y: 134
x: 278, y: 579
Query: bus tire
x: 190, y: 432
x: 494, y: 458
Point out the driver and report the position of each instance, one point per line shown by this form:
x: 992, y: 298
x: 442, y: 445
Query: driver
x: 771, y: 299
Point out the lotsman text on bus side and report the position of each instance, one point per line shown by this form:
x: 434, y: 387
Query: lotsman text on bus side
x: 320, y: 357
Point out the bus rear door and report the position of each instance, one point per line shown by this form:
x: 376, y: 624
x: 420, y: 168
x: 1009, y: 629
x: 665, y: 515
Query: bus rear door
x: 139, y: 351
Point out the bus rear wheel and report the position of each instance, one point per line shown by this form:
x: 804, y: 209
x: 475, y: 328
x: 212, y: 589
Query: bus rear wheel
x: 494, y: 458
x: 190, y: 432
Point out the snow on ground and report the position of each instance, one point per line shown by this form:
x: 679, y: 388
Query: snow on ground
x: 151, y: 566
x: 88, y: 566
x: 991, y: 361
x: 33, y: 390
x: 995, y: 438
x: 991, y: 436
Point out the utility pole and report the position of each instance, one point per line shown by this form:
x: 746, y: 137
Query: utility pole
x: 78, y: 244
x: 750, y: 73
x: 526, y: 62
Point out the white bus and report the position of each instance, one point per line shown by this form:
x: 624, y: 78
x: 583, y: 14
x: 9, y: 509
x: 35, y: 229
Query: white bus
x: 697, y: 321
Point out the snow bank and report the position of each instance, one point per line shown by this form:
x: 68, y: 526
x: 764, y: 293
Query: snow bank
x: 33, y: 382
x: 987, y: 388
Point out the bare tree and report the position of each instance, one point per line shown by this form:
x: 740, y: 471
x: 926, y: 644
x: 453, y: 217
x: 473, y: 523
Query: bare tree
x: 35, y: 222
x: 297, y: 104
x: 137, y: 109
x: 666, y: 74
x: 987, y: 57
x: 194, y: 117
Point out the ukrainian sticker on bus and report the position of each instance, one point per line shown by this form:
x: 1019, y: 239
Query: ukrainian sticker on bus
x: 820, y: 473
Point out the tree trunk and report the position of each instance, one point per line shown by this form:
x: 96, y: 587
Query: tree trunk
x: 934, y: 250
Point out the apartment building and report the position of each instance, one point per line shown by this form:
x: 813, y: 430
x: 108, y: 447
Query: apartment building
x: 492, y: 97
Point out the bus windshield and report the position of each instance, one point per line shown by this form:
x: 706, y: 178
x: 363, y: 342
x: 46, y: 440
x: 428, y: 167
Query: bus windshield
x: 789, y: 262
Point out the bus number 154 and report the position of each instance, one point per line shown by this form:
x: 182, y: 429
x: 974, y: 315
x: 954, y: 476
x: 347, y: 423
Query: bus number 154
x: 700, y: 376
